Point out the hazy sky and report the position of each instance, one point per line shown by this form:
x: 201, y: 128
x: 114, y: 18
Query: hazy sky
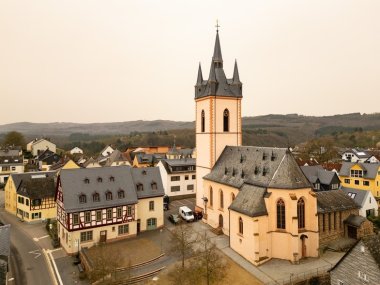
x: 103, y: 61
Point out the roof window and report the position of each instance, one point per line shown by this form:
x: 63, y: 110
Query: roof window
x: 140, y: 187
x: 265, y: 171
x: 100, y: 179
x: 112, y: 179
x: 265, y: 156
x: 86, y: 181
x: 82, y: 198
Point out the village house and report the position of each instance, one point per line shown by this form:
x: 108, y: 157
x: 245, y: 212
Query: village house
x: 76, y: 150
x: 11, y: 161
x: 104, y: 204
x: 365, y: 199
x: 322, y: 180
x: 31, y: 196
x: 363, y: 176
x: 39, y: 145
x: 45, y: 159
x: 360, y: 265
x: 178, y: 177
x: 359, y: 155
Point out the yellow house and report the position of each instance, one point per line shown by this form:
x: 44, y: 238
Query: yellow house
x: 30, y: 196
x: 363, y: 176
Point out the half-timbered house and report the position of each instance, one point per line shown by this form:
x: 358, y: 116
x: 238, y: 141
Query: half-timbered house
x: 97, y: 205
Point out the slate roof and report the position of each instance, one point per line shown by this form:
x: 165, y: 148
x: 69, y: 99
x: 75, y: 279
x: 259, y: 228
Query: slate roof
x: 115, y: 156
x: 333, y: 201
x: 259, y: 166
x: 149, y: 158
x: 359, y: 196
x: 21, y: 178
x: 38, y: 188
x: 355, y: 220
x: 318, y: 172
x: 250, y: 201
x: 9, y: 152
x: 89, y: 161
x: 370, y: 169
x: 124, y: 178
x: 218, y: 84
x: 170, y: 163
x: 5, y: 240
x: 360, y: 153
x: 11, y: 160
x: 372, y: 243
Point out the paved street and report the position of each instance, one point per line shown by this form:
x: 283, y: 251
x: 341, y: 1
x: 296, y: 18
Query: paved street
x: 28, y: 265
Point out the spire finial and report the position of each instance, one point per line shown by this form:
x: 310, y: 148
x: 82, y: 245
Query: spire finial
x: 217, y: 26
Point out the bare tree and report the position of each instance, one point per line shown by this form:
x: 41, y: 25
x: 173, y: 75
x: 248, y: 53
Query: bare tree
x: 182, y: 241
x: 105, y: 261
x: 211, y: 264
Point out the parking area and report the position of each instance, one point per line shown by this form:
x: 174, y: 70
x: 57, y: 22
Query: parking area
x: 173, y: 209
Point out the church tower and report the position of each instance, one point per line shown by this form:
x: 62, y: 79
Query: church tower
x: 218, y: 116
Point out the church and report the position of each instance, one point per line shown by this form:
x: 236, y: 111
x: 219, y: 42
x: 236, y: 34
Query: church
x: 258, y: 196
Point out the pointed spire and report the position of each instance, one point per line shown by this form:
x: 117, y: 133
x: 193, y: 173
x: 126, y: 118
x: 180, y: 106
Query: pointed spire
x: 236, y: 78
x: 217, y: 57
x: 212, y: 76
x: 200, y: 77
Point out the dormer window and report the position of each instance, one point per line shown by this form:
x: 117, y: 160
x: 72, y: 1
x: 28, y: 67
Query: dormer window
x: 154, y: 186
x: 100, y: 179
x: 112, y: 179
x: 233, y: 172
x: 120, y: 194
x: 256, y: 170
x: 140, y: 187
x: 82, y: 198
x: 273, y: 157
x: 225, y: 171
x: 143, y: 172
x: 96, y: 197
x: 265, y: 171
x: 86, y: 181
x: 108, y: 195
x: 242, y: 174
x: 265, y: 156
x: 242, y: 158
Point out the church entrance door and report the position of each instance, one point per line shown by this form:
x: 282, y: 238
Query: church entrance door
x: 220, y: 221
x: 303, y: 245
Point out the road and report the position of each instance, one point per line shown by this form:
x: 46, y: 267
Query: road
x: 27, y: 263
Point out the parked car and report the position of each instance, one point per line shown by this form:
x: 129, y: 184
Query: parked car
x: 186, y: 213
x: 174, y: 218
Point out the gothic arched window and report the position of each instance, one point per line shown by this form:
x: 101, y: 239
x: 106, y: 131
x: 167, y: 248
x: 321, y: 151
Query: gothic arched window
x: 240, y: 225
x: 221, y: 199
x: 280, y: 214
x: 203, y: 121
x: 226, y: 120
x: 301, y: 213
x: 211, y: 197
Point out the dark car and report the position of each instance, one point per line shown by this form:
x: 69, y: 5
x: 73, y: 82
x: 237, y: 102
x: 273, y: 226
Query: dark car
x: 174, y: 218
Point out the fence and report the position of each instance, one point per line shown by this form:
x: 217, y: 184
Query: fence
x: 299, y: 277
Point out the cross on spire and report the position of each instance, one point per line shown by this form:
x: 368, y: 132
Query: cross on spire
x: 217, y: 25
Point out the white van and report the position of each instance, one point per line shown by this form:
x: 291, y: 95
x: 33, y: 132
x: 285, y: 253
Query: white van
x: 186, y: 213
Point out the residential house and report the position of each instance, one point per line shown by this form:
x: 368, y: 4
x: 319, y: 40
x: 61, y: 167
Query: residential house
x: 11, y: 161
x: 359, y: 155
x: 76, y: 150
x: 365, y: 199
x: 45, y: 159
x: 321, y: 179
x: 363, y: 176
x: 5, y: 251
x: 91, y: 163
x: 106, y: 204
x: 39, y: 145
x: 360, y: 265
x: 147, y: 160
x: 116, y: 158
x: 107, y: 151
x: 178, y: 177
x: 178, y: 153
x: 31, y: 196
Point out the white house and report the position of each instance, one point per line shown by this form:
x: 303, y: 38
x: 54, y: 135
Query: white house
x: 359, y: 155
x: 76, y: 150
x: 365, y: 199
x: 107, y: 151
x: 178, y: 176
x: 11, y: 161
x: 37, y: 145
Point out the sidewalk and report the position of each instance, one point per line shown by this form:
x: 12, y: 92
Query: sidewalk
x: 275, y: 269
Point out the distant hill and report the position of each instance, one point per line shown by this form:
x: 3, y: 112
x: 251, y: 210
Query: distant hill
x: 268, y: 130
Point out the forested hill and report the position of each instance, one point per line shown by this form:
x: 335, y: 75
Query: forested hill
x: 274, y: 130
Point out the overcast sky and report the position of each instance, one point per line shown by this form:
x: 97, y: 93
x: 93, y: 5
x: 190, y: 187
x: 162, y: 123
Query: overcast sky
x: 105, y: 61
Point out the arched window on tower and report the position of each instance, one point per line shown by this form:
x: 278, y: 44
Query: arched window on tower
x: 280, y: 214
x: 226, y: 120
x: 211, y: 198
x: 240, y: 226
x: 203, y: 121
x: 301, y: 213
